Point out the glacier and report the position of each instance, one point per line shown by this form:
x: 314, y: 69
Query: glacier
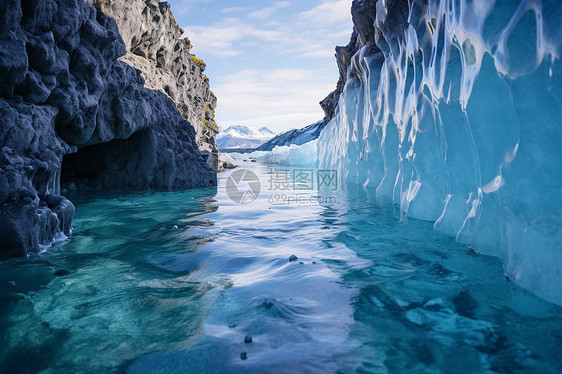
x: 455, y: 114
x: 289, y: 155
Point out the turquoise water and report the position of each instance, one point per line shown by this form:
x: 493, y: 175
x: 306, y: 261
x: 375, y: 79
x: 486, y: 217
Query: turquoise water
x: 173, y: 282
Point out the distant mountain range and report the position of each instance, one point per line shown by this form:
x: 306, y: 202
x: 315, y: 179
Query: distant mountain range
x: 239, y: 136
x: 297, y: 136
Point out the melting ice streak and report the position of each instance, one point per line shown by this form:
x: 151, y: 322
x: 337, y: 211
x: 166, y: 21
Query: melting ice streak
x: 456, y: 117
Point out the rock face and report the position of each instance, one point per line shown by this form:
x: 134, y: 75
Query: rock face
x: 343, y: 58
x: 363, y: 13
x: 63, y: 90
x: 153, y: 45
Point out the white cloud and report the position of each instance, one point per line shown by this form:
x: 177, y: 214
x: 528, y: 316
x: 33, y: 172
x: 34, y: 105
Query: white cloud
x: 318, y: 53
x: 233, y: 9
x: 226, y: 38
x: 184, y: 6
x: 262, y: 13
x: 254, y: 92
x: 220, y: 39
x: 282, y: 4
x: 279, y: 98
x: 280, y: 122
x: 327, y: 13
x: 269, y: 11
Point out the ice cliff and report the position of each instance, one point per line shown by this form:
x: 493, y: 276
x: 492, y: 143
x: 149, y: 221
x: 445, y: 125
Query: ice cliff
x: 82, y: 103
x: 453, y: 109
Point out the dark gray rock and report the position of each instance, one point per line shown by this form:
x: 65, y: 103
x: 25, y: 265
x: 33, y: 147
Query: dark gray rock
x: 367, y: 37
x: 343, y: 59
x: 465, y: 304
x: 224, y: 164
x: 154, y: 45
x: 65, y: 93
x: 363, y: 14
x: 61, y: 273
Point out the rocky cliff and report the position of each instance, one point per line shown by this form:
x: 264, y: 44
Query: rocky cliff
x: 152, y: 40
x: 363, y: 15
x: 78, y: 105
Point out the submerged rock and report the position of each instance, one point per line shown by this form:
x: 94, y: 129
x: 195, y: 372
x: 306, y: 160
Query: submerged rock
x: 66, y: 91
x: 61, y: 272
x: 465, y: 305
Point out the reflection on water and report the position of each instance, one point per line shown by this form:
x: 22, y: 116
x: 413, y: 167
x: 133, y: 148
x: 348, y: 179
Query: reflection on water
x: 174, y: 282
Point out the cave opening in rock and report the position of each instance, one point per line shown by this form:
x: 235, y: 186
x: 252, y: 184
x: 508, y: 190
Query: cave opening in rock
x: 82, y: 166
x: 143, y: 160
x: 114, y: 164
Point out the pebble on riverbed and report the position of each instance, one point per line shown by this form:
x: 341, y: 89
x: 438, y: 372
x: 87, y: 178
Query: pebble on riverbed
x: 293, y: 258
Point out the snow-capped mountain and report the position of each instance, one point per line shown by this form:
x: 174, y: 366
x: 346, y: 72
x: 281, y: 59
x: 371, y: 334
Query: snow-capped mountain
x: 239, y: 136
x: 297, y: 136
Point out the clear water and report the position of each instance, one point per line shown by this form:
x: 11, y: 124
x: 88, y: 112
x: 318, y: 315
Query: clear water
x: 172, y: 282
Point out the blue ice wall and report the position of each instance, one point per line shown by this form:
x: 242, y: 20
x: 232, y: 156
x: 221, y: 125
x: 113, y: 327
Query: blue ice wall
x: 457, y: 116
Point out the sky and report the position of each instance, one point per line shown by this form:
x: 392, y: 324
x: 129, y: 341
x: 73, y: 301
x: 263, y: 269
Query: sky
x: 269, y: 62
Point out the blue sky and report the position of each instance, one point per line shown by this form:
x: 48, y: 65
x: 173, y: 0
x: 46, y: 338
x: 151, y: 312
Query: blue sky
x: 269, y: 62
